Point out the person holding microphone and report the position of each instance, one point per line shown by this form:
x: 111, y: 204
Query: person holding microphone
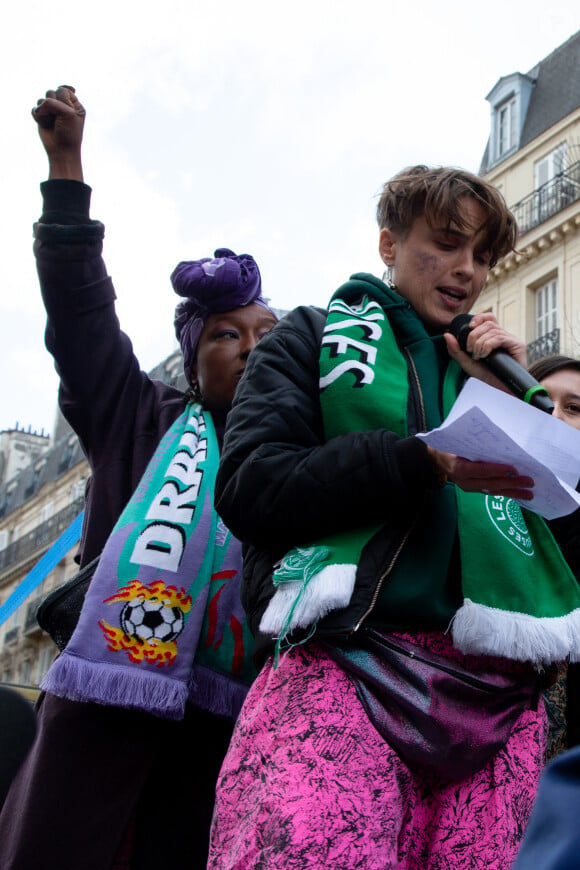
x: 369, y: 738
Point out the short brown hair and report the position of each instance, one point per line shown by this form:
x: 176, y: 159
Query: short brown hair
x: 549, y: 365
x: 436, y: 193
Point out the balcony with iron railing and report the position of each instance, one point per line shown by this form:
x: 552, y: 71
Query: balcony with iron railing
x: 43, y: 535
x: 547, y: 200
x: 545, y: 345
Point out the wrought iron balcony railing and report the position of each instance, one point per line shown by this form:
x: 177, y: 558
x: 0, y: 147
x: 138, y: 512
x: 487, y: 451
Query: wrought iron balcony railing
x: 548, y: 199
x: 43, y: 534
x: 546, y: 345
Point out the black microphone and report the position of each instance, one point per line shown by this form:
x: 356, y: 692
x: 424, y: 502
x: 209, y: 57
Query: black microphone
x: 505, y: 368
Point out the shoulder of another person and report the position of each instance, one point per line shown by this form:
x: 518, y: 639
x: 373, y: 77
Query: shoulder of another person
x: 288, y: 354
x: 305, y: 323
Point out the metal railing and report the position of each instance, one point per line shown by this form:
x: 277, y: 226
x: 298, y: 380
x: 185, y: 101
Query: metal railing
x: 545, y: 345
x: 547, y: 200
x: 43, y: 535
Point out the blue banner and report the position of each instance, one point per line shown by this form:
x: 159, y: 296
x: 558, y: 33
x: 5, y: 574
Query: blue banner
x: 44, y: 566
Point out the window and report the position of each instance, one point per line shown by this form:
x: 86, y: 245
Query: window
x: 66, y: 456
x: 25, y: 672
x: 4, y: 539
x: 549, y: 185
x: 46, y: 511
x: 506, y: 127
x: 547, y: 308
x: 33, y: 483
x: 14, y: 619
x: 6, y: 502
x: 77, y: 491
x: 45, y: 660
x: 549, y: 166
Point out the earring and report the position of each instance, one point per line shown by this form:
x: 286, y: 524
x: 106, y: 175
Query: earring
x: 194, y: 392
x: 388, y: 277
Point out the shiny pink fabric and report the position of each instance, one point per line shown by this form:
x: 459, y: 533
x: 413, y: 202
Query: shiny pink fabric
x: 309, y: 783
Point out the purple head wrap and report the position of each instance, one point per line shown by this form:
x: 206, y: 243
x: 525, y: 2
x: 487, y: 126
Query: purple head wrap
x: 212, y: 285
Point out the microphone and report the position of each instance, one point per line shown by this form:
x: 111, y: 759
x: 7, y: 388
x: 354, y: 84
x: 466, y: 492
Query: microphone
x: 505, y: 368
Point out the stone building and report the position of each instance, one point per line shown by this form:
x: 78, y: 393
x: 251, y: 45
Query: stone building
x: 533, y: 157
x: 18, y: 448
x: 38, y: 502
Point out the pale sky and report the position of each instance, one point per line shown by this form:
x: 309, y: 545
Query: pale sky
x: 267, y: 128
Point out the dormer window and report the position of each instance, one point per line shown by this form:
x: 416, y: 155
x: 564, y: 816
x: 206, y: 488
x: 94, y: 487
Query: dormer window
x: 506, y: 127
x: 509, y: 101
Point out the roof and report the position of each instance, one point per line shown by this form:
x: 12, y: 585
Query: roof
x: 55, y: 462
x: 555, y: 94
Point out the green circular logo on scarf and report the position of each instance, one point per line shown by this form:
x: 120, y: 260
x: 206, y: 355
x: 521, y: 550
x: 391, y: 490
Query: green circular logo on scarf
x: 508, y: 519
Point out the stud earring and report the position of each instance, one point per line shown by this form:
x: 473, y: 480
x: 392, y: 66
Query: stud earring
x: 195, y: 390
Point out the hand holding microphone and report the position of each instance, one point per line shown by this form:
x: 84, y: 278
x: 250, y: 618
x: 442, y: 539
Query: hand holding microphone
x: 488, y: 342
x: 505, y: 368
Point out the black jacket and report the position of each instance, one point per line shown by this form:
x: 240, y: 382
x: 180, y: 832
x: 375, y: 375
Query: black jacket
x: 280, y: 484
x: 118, y: 412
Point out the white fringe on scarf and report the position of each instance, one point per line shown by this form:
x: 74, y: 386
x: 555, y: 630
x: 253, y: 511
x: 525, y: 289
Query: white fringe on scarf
x: 481, y: 630
x: 330, y: 589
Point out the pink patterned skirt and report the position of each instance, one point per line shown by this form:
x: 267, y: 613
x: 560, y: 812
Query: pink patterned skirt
x: 309, y: 783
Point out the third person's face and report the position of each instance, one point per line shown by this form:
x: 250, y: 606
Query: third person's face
x: 564, y: 390
x: 440, y: 271
x: 224, y: 346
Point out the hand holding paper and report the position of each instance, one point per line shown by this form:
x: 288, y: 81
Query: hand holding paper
x: 488, y: 425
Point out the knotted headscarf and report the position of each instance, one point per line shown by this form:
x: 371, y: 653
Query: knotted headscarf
x: 210, y: 286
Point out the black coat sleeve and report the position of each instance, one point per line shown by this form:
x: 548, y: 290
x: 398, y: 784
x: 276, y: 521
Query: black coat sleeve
x: 280, y: 484
x: 117, y: 411
x: 93, y: 357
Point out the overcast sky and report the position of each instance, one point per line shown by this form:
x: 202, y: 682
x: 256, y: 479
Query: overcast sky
x: 265, y: 127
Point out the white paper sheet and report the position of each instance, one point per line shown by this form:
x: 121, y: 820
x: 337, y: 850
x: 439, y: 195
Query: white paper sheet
x: 489, y: 425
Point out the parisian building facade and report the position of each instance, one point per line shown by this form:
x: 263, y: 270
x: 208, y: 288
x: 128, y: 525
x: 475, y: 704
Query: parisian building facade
x: 533, y: 157
x: 41, y: 494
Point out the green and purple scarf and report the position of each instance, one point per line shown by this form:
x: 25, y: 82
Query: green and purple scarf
x: 162, y: 622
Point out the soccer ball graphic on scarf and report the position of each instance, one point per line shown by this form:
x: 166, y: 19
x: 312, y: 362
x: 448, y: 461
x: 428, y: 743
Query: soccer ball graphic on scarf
x: 148, y: 619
